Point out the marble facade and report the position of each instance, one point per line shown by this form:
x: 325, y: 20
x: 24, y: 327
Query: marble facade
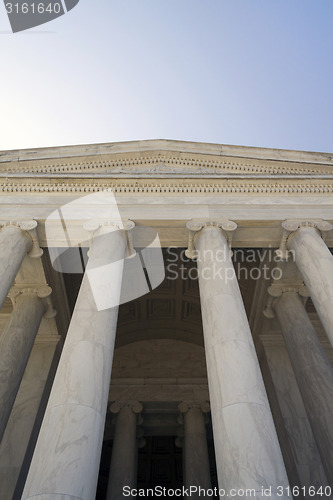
x: 235, y: 343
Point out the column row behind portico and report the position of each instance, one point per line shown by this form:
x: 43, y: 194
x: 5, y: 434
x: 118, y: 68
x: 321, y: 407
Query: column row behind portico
x: 313, y: 372
x: 16, y: 240
x: 16, y: 342
x: 315, y: 262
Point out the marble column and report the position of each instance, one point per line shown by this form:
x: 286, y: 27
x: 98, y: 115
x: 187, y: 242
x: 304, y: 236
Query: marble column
x: 247, y: 450
x: 315, y: 263
x: 15, y: 241
x: 22, y: 418
x: 16, y: 343
x: 65, y: 463
x: 123, y: 469
x: 196, y: 461
x: 313, y: 372
x: 308, y: 463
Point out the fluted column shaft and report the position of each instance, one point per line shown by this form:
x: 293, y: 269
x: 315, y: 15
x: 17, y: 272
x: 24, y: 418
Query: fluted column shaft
x: 66, y: 460
x: 315, y: 263
x: 16, y: 343
x: 14, y: 245
x: 196, y: 461
x: 312, y: 369
x: 246, y: 445
x: 123, y: 469
x: 15, y: 442
x: 310, y: 470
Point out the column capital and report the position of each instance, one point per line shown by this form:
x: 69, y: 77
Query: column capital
x: 135, y: 406
x: 276, y: 290
x: 43, y: 292
x: 290, y: 226
x: 96, y: 228
x: 29, y: 227
x: 194, y: 226
x: 185, y: 406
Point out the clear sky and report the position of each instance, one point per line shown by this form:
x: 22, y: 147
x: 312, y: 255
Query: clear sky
x: 248, y: 72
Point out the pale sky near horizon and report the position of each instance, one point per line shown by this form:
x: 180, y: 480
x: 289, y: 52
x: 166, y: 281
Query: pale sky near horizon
x: 247, y: 72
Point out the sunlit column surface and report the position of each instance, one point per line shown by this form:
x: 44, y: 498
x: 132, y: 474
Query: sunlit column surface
x: 246, y: 445
x: 67, y: 455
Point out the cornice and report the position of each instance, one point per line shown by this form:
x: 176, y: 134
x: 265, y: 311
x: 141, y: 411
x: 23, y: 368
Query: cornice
x: 171, y: 186
x: 170, y: 146
x: 161, y: 165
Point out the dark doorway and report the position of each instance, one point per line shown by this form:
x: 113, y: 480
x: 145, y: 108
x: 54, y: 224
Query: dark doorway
x: 160, y: 463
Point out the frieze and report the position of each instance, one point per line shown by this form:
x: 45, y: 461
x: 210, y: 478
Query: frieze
x: 162, y: 166
x: 241, y: 187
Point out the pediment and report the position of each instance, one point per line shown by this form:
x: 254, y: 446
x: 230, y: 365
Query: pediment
x: 152, y: 167
x: 145, y: 160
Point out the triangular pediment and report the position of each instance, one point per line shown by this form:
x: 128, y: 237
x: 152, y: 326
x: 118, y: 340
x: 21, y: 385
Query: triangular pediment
x: 164, y: 159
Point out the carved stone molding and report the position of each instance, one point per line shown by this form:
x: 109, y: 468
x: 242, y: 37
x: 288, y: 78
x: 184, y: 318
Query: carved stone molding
x: 162, y: 164
x: 215, y: 186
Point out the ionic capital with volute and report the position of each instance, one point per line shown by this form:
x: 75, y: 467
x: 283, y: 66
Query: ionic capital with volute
x: 43, y: 292
x: 29, y: 229
x: 276, y: 290
x: 96, y: 228
x: 185, y: 406
x: 194, y: 227
x: 290, y: 226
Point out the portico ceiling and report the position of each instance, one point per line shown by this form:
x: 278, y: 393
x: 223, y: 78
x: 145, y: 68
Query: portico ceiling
x: 171, y: 311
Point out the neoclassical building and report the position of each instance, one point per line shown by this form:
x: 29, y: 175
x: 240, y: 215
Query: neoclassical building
x: 167, y: 322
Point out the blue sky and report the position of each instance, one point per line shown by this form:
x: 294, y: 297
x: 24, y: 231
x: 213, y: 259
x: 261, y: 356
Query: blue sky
x: 248, y: 72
